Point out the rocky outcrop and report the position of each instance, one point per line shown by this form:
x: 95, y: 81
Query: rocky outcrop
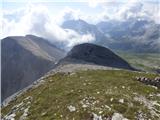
x: 148, y: 81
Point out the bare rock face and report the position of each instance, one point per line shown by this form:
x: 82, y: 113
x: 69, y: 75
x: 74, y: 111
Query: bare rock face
x: 94, y: 54
x: 24, y: 60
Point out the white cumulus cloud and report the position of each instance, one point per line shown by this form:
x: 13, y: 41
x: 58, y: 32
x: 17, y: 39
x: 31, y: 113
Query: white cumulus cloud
x: 38, y: 20
x: 124, y: 10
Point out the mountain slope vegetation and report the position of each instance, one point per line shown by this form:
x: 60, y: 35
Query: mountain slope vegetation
x: 87, y: 94
x: 144, y: 61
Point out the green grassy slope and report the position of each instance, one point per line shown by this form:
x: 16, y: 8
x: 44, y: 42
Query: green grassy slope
x: 144, y: 61
x: 79, y: 95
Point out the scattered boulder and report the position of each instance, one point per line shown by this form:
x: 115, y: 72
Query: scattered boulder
x: 118, y: 116
x: 10, y: 117
x: 157, y: 79
x: 44, y: 113
x: 71, y: 108
x: 21, y: 107
x: 96, y: 117
x: 121, y: 101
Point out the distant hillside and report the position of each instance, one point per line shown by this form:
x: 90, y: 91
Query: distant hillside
x: 144, y: 61
x: 95, y: 54
x: 24, y: 60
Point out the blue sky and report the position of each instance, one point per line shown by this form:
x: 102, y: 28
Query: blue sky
x: 12, y: 4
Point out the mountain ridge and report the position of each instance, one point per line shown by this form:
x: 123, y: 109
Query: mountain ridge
x: 24, y: 60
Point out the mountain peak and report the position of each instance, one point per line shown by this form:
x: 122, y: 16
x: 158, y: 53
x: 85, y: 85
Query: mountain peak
x: 96, y: 54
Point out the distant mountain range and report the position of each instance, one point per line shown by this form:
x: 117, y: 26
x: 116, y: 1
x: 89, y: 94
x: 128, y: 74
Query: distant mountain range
x: 131, y: 35
x: 83, y: 27
x: 24, y: 60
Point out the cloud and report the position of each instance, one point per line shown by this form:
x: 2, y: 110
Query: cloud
x: 130, y: 10
x: 70, y: 14
x: 76, y: 38
x: 124, y: 10
x: 73, y: 14
x: 38, y: 20
x: 95, y: 3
